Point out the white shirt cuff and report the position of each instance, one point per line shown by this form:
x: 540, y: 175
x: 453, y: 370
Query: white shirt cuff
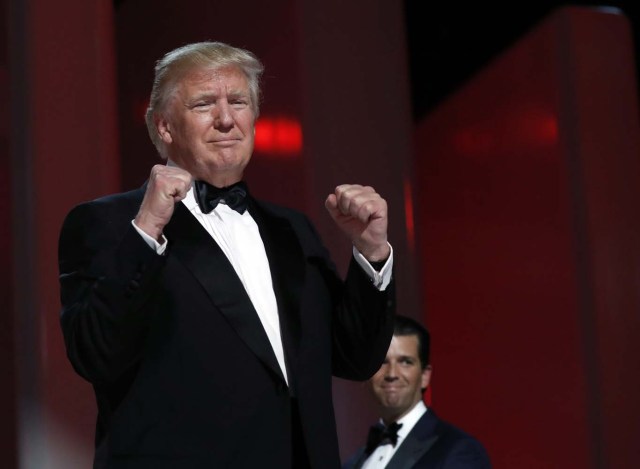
x: 380, y: 279
x: 159, y: 248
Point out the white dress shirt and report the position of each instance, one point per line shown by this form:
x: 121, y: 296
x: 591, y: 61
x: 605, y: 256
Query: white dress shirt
x: 383, y: 453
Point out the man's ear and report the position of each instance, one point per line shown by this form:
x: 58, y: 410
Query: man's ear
x: 163, y: 128
x: 425, y: 379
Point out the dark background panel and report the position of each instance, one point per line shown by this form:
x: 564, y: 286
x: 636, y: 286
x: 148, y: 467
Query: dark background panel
x: 448, y: 42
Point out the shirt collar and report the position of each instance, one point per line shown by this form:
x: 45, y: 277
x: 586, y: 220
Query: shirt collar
x: 409, y: 420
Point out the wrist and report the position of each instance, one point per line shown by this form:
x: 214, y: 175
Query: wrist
x: 376, y: 254
x: 154, y: 230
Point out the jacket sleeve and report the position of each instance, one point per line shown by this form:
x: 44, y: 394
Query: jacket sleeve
x: 362, y: 320
x: 107, y: 276
x: 362, y: 327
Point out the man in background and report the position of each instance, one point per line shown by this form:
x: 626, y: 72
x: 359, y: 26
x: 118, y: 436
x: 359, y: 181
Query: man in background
x: 410, y: 436
x: 209, y: 322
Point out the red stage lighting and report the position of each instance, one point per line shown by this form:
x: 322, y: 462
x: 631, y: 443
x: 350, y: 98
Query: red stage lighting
x: 279, y: 137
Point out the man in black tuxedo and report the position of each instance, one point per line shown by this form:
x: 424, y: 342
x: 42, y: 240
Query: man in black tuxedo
x: 410, y: 436
x: 208, y: 322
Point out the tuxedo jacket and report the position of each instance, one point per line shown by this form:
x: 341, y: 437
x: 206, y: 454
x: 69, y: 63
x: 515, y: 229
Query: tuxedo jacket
x: 433, y: 444
x: 183, y: 373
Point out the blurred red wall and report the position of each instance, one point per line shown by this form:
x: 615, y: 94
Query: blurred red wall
x: 527, y: 189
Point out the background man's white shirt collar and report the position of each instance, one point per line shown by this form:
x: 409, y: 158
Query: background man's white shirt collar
x: 383, y: 453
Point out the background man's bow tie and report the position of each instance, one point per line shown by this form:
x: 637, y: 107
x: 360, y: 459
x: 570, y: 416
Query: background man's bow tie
x: 381, y: 435
x: 208, y: 196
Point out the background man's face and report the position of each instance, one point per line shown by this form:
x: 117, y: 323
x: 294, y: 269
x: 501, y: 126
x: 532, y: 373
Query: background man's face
x: 399, y: 382
x: 208, y: 124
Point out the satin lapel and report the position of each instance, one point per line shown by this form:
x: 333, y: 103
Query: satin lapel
x: 419, y: 440
x: 286, y: 262
x: 195, y: 248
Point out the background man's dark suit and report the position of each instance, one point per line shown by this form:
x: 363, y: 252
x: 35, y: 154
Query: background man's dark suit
x: 433, y: 444
x: 182, y: 369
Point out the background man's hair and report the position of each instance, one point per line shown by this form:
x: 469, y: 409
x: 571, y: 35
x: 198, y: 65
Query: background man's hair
x: 405, y: 326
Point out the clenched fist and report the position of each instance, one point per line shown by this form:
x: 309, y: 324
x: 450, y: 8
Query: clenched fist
x: 167, y: 186
x: 361, y: 213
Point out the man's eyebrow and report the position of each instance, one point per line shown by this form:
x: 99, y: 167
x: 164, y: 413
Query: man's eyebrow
x: 203, y: 95
x: 238, y: 93
x: 406, y: 357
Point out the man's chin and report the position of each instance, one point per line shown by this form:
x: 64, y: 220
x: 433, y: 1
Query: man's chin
x: 392, y: 403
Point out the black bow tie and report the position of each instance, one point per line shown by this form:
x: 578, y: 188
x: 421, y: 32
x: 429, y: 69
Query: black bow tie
x: 381, y: 435
x: 208, y: 196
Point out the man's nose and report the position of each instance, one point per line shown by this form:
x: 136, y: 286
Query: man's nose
x: 391, y: 372
x: 223, y: 118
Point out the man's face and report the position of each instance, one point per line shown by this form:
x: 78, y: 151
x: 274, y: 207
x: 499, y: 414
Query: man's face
x: 207, y: 125
x: 399, y: 382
